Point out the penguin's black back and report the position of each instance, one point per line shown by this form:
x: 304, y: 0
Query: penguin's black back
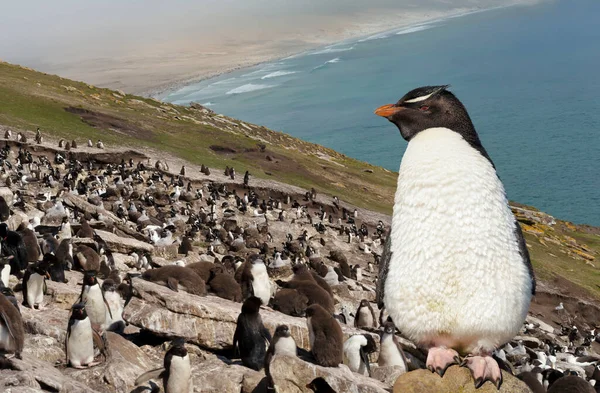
x: 251, y: 335
x: 12, y: 244
x: 4, y: 209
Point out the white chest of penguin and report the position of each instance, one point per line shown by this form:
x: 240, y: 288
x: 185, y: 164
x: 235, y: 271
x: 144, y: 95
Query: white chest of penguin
x: 94, y: 306
x: 455, y: 265
x: 389, y: 355
x: 179, y: 375
x: 285, y: 346
x: 260, y: 282
x: 5, y: 274
x: 81, y: 344
x: 35, y: 289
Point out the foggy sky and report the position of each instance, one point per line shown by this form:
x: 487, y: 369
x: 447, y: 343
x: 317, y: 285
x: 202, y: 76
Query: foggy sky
x: 42, y: 32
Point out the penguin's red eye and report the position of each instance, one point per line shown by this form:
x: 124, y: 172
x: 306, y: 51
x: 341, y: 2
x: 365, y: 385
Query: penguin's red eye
x: 424, y: 108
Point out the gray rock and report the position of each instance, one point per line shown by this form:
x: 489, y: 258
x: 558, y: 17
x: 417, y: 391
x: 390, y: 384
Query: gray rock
x: 209, y: 321
x: 291, y: 375
x: 124, y: 245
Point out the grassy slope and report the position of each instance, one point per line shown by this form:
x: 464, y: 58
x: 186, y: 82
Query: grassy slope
x: 30, y: 99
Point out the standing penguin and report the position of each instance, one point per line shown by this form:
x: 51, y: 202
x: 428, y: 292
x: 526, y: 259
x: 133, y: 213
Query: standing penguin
x: 455, y: 274
x: 92, y: 295
x: 81, y: 339
x: 12, y: 245
x: 12, y: 332
x: 114, y: 302
x: 176, y: 373
x: 325, y: 336
x: 255, y: 279
x: 356, y: 353
x: 365, y: 316
x: 4, y: 209
x: 282, y: 344
x: 251, y: 338
x: 390, y: 351
x: 34, y: 285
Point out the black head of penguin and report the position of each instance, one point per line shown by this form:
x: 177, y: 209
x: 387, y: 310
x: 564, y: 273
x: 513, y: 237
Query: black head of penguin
x: 388, y: 328
x: 41, y: 268
x: 430, y: 107
x: 89, y: 278
x: 109, y: 285
x: 177, y: 349
x: 78, y: 311
x: 55, y: 267
x: 251, y: 305
x: 571, y: 384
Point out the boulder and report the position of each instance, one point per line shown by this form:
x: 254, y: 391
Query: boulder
x: 214, y: 375
x: 7, y: 194
x: 124, y: 245
x: 34, y: 373
x: 456, y: 379
x: 206, y: 321
x: 126, y: 362
x: 64, y: 295
x: 291, y: 375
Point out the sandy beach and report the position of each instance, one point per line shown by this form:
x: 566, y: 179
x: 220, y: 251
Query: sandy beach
x: 162, y: 63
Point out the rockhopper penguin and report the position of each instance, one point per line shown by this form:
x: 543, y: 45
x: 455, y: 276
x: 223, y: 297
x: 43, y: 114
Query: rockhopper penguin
x: 455, y: 273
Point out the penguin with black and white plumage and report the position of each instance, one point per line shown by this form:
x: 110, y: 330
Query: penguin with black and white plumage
x: 4, y: 209
x: 255, y: 279
x: 12, y: 331
x: 251, y: 338
x: 92, y: 295
x: 356, y: 353
x: 282, y: 344
x: 115, y: 304
x: 34, y: 285
x: 365, y: 316
x: 176, y: 373
x: 12, y: 244
x: 82, y: 340
x: 455, y: 275
x: 390, y: 351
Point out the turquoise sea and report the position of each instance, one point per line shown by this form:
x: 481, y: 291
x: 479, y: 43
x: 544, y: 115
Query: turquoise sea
x: 528, y: 75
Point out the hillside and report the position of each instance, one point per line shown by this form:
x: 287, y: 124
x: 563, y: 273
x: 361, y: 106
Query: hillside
x: 564, y: 255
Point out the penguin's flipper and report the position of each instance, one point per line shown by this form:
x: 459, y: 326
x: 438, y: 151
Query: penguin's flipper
x: 106, y: 303
x: 6, y: 322
x: 24, y: 287
x: 386, y: 257
x: 365, y: 358
x: 152, y: 374
x: 525, y: 254
x: 173, y: 284
x: 101, y: 343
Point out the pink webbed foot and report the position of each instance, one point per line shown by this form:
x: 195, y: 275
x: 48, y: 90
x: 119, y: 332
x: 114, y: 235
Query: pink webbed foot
x: 440, y: 358
x: 483, y: 368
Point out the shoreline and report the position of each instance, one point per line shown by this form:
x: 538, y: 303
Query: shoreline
x: 162, y: 91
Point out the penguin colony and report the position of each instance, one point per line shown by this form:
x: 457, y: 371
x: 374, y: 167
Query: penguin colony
x: 230, y: 227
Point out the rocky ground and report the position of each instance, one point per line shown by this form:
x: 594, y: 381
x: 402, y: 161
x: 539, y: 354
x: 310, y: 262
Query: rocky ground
x: 218, y: 226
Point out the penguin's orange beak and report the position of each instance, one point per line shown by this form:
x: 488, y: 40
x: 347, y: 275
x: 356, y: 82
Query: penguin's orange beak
x: 388, y: 110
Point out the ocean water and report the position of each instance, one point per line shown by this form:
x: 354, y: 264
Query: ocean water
x: 528, y: 75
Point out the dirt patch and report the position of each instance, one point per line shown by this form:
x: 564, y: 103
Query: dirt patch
x: 104, y: 121
x: 579, y: 308
x: 222, y: 149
